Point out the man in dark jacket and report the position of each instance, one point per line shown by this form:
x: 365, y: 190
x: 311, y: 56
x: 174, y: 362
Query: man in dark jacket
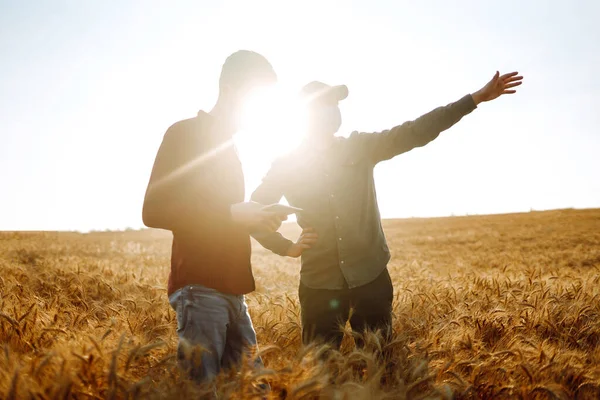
x: 196, y: 190
x: 343, y: 247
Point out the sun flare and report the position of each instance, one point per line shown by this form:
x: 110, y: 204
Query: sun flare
x: 272, y: 123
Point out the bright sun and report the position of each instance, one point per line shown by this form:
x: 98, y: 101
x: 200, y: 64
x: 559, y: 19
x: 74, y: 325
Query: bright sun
x: 272, y: 124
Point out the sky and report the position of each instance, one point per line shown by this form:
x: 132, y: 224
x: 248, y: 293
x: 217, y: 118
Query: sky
x: 88, y: 88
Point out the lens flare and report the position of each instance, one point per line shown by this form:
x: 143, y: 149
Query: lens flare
x: 273, y: 120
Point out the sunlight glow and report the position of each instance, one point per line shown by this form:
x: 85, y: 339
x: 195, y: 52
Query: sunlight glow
x: 273, y: 123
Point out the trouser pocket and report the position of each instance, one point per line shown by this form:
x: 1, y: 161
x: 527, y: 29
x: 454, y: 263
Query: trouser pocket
x: 176, y: 300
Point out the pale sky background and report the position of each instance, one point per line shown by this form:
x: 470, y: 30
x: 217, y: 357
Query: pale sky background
x: 88, y: 88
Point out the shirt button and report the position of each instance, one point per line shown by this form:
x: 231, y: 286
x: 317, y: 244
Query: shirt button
x: 340, y: 238
x: 332, y: 195
x: 342, y: 261
x: 336, y: 217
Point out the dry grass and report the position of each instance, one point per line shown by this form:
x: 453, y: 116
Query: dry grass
x: 485, y: 307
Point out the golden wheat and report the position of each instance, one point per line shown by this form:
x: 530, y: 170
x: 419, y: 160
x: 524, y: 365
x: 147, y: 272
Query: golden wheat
x: 500, y: 306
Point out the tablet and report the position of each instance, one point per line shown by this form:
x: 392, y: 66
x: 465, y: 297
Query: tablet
x: 281, y: 209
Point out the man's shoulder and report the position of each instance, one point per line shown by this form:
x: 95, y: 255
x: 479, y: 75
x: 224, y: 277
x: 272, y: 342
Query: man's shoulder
x: 358, y: 137
x: 196, y: 126
x: 349, y: 139
x: 357, y: 141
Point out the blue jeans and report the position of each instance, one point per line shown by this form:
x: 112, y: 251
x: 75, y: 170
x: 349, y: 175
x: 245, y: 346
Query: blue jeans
x: 219, y: 323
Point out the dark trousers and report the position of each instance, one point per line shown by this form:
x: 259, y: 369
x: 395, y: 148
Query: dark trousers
x: 323, y: 311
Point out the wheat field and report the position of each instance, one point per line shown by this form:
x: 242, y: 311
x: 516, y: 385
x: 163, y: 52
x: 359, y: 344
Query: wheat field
x: 503, y: 306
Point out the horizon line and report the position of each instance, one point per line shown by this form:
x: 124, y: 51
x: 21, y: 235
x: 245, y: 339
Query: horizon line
x: 466, y: 215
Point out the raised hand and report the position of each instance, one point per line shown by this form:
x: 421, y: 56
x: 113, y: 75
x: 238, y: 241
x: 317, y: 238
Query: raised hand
x: 498, y: 86
x: 305, y: 241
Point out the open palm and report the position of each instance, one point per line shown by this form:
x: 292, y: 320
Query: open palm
x: 498, y: 86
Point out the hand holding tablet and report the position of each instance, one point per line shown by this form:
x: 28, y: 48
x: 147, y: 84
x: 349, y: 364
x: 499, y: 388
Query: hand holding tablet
x: 281, y: 209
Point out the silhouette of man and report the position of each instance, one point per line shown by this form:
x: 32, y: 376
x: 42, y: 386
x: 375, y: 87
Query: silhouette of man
x: 196, y: 190
x: 343, y: 247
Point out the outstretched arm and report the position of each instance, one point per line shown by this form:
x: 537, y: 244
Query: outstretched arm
x: 400, y: 139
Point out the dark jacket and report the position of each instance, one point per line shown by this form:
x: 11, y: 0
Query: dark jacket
x: 196, y: 177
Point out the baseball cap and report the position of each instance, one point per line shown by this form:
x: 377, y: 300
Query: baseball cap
x: 321, y: 92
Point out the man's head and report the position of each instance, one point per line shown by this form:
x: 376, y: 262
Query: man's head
x: 242, y: 72
x: 323, y: 113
